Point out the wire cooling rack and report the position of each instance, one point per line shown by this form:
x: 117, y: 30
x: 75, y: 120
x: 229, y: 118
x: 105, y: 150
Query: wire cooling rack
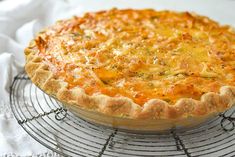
x: 48, y: 122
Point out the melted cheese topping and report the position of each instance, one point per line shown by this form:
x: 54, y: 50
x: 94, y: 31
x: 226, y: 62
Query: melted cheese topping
x: 141, y: 54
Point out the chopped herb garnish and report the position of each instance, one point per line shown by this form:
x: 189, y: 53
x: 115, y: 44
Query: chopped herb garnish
x: 88, y: 36
x: 76, y: 34
x: 161, y: 73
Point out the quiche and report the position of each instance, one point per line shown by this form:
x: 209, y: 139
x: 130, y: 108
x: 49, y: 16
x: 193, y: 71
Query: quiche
x: 136, y: 64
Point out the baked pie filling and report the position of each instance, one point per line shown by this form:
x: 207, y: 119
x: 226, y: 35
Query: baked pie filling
x: 139, y: 54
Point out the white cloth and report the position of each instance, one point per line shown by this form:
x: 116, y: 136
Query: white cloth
x: 21, y: 19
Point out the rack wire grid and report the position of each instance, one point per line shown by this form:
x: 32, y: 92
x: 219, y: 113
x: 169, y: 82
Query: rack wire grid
x: 48, y: 122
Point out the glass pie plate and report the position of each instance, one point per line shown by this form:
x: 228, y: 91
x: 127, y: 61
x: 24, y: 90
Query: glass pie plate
x: 137, y: 125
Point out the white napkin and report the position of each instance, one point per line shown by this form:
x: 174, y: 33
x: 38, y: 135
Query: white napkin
x: 20, y: 20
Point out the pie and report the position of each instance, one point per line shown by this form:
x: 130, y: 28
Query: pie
x: 137, y: 64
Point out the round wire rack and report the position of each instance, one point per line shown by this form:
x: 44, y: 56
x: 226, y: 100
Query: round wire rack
x: 48, y: 122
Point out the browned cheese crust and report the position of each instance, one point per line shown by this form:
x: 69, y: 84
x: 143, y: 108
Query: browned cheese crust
x: 138, y: 64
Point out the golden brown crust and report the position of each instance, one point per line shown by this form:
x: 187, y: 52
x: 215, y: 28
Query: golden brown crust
x: 43, y: 77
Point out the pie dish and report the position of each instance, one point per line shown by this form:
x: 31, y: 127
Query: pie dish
x: 136, y: 65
